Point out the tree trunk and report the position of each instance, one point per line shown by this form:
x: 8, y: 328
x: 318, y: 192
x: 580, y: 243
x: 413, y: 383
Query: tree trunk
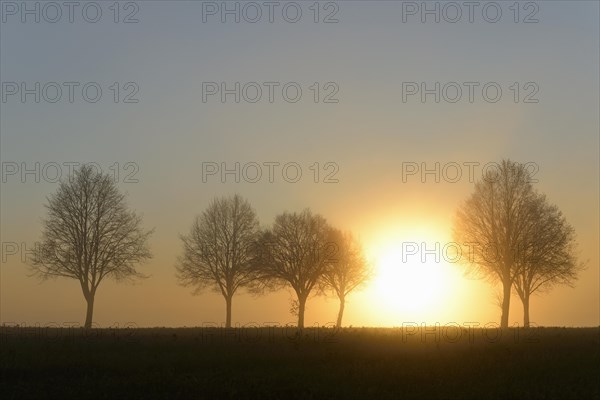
x: 525, y: 300
x: 90, y: 310
x: 506, y: 286
x: 301, y: 308
x: 341, y: 312
x: 228, y: 300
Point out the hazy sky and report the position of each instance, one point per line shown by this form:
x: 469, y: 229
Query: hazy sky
x: 364, y: 61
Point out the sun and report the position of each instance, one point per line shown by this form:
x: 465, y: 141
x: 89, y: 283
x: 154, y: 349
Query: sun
x: 405, y: 282
x: 411, y: 282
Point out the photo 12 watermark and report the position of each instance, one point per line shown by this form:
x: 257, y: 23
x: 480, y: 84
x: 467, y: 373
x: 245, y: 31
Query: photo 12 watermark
x: 453, y: 332
x: 65, y: 330
x: 269, y: 92
x: 55, y: 172
x: 20, y: 251
x: 469, y: 92
x: 252, y: 12
x: 53, y: 12
x: 270, y: 172
x: 69, y: 92
x: 268, y: 332
x: 463, y: 252
x: 460, y: 171
x: 453, y: 12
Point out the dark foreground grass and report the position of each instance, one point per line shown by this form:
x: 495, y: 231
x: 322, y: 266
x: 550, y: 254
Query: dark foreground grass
x: 276, y: 363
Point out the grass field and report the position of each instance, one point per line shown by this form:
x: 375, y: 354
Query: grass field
x: 274, y: 363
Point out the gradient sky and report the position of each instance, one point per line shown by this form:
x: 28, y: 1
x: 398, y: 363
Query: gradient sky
x: 369, y: 134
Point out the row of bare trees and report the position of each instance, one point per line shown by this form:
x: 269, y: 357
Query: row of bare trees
x: 525, y: 243
x: 226, y: 250
x: 90, y: 234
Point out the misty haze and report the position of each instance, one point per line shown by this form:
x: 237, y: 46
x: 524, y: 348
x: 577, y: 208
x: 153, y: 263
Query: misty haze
x: 300, y: 200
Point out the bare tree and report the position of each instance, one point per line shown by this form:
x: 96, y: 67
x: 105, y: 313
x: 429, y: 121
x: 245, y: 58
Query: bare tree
x: 491, y: 226
x: 547, y: 256
x: 294, y: 252
x: 218, y: 250
x: 347, y: 270
x: 89, y: 234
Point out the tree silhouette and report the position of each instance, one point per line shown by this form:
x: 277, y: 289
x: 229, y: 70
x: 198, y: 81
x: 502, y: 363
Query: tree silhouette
x: 89, y: 235
x: 347, y: 269
x: 218, y: 249
x: 547, y: 256
x: 492, y: 223
x: 294, y: 252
